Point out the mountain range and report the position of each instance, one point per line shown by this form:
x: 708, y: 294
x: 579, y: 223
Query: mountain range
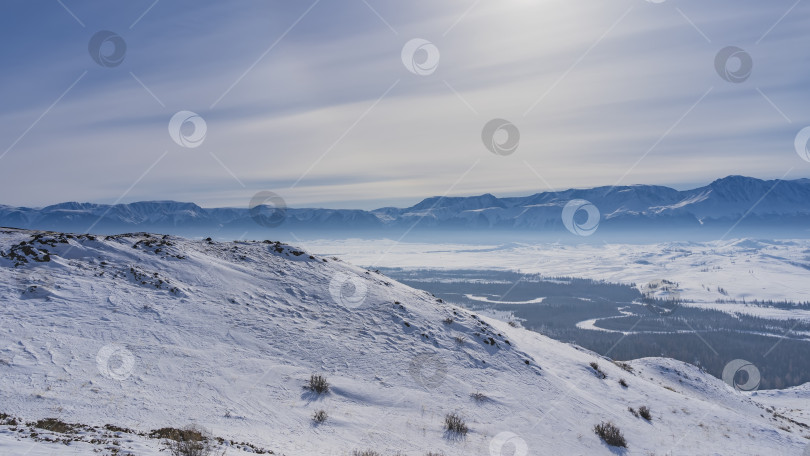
x: 733, y: 206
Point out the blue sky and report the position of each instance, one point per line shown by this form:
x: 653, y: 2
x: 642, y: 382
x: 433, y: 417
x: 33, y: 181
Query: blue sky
x: 312, y: 100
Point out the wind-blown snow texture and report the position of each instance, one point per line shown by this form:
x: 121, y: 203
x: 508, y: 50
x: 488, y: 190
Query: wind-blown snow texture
x: 752, y: 207
x: 225, y: 334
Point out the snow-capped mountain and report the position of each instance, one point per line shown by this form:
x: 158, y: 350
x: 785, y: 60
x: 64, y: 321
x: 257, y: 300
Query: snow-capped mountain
x: 753, y: 207
x: 718, y: 205
x: 122, y: 335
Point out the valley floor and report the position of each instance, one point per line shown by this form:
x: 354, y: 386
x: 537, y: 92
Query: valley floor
x: 706, y: 272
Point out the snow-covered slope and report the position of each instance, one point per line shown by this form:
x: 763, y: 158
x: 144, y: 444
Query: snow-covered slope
x: 144, y: 332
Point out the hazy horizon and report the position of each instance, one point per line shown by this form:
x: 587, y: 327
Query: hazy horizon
x: 407, y: 201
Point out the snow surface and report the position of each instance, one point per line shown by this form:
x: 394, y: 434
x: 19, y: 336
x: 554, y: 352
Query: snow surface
x: 146, y: 332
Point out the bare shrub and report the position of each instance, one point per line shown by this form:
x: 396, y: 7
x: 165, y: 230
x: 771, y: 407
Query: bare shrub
x: 55, y: 425
x: 318, y: 384
x: 624, y: 366
x: 7, y: 420
x: 644, y: 411
x: 611, y: 434
x: 365, y: 453
x: 479, y: 396
x: 190, y: 441
x: 455, y: 424
x: 320, y: 416
x: 599, y: 372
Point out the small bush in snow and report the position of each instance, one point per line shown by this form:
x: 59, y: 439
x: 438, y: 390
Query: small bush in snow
x: 459, y: 340
x: 455, y: 424
x: 190, y: 441
x: 320, y: 416
x: 622, y: 382
x: 7, y: 420
x: 599, y: 372
x: 479, y: 396
x: 318, y: 384
x: 633, y: 411
x: 644, y: 411
x: 611, y: 434
x: 366, y: 453
x: 448, y: 321
x: 55, y: 425
x: 624, y: 366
